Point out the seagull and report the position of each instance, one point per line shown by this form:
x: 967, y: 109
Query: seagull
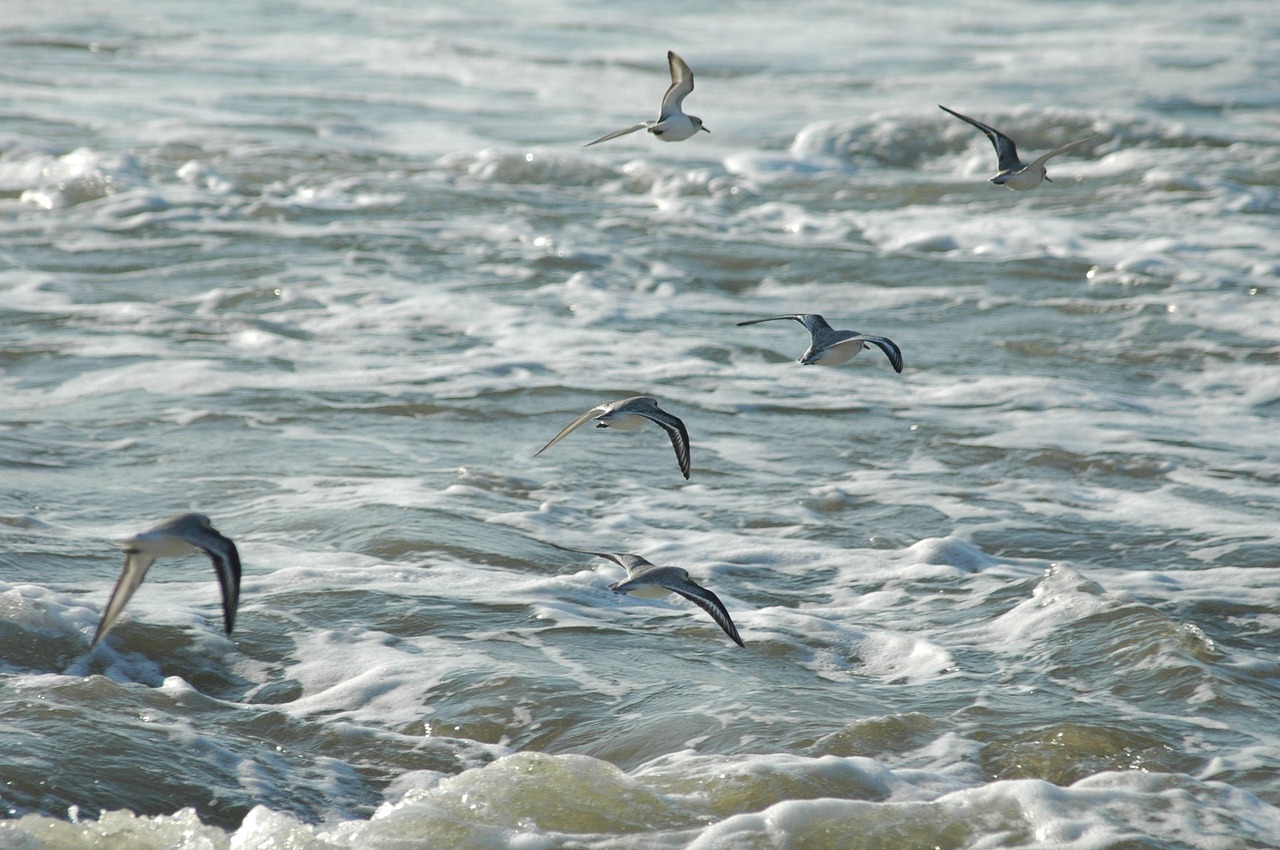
x: 831, y: 347
x: 1013, y: 172
x: 179, y: 535
x: 632, y: 413
x: 672, y: 124
x: 650, y: 581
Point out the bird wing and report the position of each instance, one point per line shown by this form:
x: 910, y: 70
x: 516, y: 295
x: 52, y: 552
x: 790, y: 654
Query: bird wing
x: 225, y: 558
x: 888, y: 346
x: 813, y: 323
x: 820, y: 332
x: 616, y: 133
x: 681, y: 85
x: 626, y: 561
x: 802, y: 318
x: 134, y: 570
x: 703, y: 598
x: 570, y: 428
x: 676, y: 431
x: 1043, y: 158
x: 1006, y: 150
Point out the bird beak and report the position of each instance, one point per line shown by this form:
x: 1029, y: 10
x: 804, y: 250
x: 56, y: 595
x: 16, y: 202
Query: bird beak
x: 1047, y: 177
x: 704, y: 129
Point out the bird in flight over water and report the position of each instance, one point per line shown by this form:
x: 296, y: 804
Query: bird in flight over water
x: 650, y: 581
x: 1013, y: 172
x: 673, y: 125
x: 632, y: 413
x: 179, y: 535
x: 830, y: 347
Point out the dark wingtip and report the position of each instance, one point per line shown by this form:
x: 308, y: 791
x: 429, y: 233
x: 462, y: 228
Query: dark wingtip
x: 732, y: 632
x: 230, y: 586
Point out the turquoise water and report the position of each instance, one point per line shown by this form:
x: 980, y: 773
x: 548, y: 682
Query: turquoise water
x: 332, y: 274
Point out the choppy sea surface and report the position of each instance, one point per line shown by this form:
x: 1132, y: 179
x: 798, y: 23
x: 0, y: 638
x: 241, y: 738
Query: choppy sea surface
x: 332, y: 273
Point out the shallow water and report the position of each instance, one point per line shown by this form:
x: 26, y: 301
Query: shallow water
x: 332, y: 275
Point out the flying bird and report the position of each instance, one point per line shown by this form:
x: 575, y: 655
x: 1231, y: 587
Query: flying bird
x: 650, y: 581
x: 672, y: 124
x: 631, y: 413
x: 1013, y: 172
x: 830, y: 347
x: 179, y: 535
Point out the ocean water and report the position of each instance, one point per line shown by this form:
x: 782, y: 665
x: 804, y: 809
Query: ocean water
x: 332, y: 272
